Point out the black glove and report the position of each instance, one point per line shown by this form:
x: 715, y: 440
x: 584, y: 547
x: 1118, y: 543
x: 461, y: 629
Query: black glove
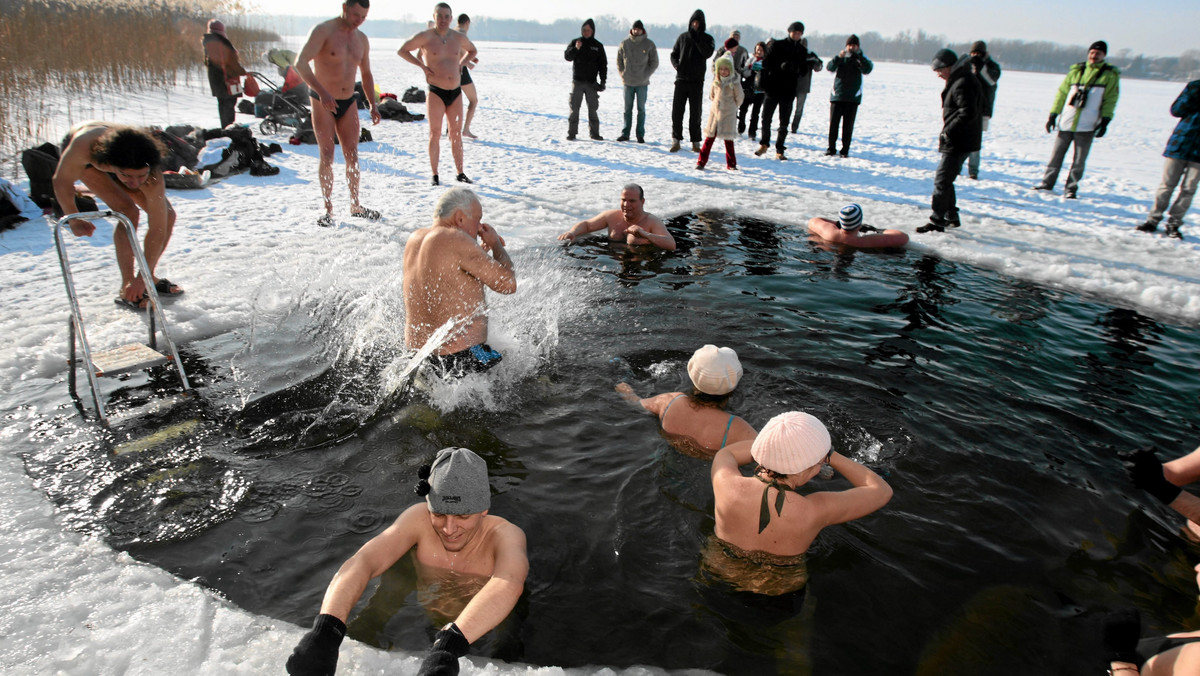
x: 1051, y: 122
x: 449, y: 644
x: 1122, y: 629
x: 1146, y: 472
x: 600, y: 87
x: 1103, y: 126
x: 317, y: 652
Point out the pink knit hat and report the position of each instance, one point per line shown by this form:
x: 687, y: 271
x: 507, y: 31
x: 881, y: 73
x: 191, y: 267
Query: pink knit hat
x: 791, y: 442
x: 715, y: 370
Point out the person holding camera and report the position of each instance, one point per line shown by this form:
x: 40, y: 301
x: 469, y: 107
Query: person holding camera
x: 1089, y: 94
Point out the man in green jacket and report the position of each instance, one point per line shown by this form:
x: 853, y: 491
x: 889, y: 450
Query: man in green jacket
x: 1089, y: 93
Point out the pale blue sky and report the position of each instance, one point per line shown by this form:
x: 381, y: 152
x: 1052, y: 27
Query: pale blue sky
x: 1160, y: 28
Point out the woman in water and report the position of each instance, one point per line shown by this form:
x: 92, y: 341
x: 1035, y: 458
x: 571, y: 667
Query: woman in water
x: 697, y: 423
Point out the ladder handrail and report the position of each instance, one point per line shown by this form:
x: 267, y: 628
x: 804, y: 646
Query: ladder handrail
x: 153, y: 307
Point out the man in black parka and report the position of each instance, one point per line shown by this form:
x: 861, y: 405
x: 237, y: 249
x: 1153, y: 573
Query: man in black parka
x: 589, y: 73
x: 786, y: 59
x: 962, y: 134
x: 689, y: 57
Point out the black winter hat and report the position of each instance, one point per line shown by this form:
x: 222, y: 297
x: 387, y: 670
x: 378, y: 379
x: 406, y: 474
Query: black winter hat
x: 1101, y: 45
x: 795, y: 26
x: 945, y: 58
x: 979, y: 46
x: 731, y: 44
x: 590, y: 24
x: 638, y: 24
x: 852, y: 40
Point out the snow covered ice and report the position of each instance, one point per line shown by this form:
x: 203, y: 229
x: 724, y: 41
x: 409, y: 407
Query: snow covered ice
x: 246, y: 247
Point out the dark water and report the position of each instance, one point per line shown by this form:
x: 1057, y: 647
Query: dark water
x: 994, y: 408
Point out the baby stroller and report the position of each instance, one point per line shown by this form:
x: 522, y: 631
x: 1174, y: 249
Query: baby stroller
x: 281, y: 109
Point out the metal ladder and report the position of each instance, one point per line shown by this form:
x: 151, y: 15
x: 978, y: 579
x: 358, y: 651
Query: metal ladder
x: 125, y: 358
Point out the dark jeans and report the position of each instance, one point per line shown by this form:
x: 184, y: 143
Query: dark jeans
x: 944, y: 202
x: 227, y: 107
x: 753, y: 101
x: 844, y: 111
x: 785, y: 116
x: 686, y: 94
x: 581, y: 90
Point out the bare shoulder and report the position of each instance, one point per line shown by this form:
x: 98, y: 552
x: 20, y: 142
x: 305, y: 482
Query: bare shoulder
x: 653, y: 221
x: 506, y: 533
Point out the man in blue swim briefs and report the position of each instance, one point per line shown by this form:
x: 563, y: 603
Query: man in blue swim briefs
x: 446, y: 267
x: 442, y: 53
x: 337, y: 50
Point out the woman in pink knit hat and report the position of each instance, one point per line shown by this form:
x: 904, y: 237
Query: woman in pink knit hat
x: 764, y: 519
x: 697, y: 422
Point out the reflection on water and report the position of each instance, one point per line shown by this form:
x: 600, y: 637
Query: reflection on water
x: 993, y: 407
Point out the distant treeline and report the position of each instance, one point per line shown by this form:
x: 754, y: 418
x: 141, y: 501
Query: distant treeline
x: 907, y: 47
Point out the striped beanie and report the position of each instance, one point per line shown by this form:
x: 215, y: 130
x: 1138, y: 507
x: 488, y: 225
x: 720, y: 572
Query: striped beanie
x: 850, y: 217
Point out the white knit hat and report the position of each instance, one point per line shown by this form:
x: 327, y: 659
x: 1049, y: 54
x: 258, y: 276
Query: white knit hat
x: 715, y: 370
x: 791, y: 442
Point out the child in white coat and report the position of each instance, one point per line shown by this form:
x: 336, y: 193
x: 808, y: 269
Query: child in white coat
x: 726, y: 94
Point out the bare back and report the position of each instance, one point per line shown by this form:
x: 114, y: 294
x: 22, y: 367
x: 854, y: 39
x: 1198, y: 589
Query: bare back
x: 439, y: 286
x: 336, y: 52
x: 789, y: 533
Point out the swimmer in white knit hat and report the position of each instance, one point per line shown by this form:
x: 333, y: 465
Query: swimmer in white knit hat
x: 697, y: 423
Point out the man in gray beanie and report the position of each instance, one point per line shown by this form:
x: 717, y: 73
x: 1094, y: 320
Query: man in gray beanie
x: 450, y: 531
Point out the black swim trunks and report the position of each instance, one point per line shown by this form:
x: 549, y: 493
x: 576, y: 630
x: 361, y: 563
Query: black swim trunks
x: 466, y: 76
x: 342, y: 104
x: 475, y: 359
x: 447, y: 96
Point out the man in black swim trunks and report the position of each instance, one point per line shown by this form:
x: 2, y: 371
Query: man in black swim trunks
x: 468, y: 85
x: 446, y: 267
x: 337, y: 51
x: 442, y: 53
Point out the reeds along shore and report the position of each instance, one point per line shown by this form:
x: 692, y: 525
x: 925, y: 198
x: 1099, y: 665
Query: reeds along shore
x: 53, y: 52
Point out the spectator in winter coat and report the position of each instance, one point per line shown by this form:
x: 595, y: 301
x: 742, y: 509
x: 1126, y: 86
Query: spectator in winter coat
x: 786, y: 59
x: 962, y: 130
x: 637, y: 59
x: 1090, y: 91
x: 224, y: 71
x: 752, y: 88
x: 988, y: 72
x: 804, y: 84
x: 739, y: 54
x: 589, y: 73
x: 689, y: 57
x: 848, y: 67
x: 1183, y: 163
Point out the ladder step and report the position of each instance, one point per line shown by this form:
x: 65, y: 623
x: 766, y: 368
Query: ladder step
x: 158, y: 438
x: 126, y: 358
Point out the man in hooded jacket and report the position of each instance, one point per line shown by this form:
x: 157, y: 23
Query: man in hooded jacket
x: 637, y: 59
x: 589, y: 73
x: 962, y: 133
x: 689, y: 57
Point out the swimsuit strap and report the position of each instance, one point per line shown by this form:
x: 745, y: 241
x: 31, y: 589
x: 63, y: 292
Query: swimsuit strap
x: 668, y: 408
x: 727, y: 426
x: 764, y: 510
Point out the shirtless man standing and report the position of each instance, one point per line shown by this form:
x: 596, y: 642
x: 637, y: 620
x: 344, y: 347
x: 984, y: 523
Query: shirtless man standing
x: 451, y: 534
x: 337, y: 49
x: 631, y: 222
x: 123, y: 166
x: 445, y: 271
x: 442, y: 53
x: 764, y: 515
